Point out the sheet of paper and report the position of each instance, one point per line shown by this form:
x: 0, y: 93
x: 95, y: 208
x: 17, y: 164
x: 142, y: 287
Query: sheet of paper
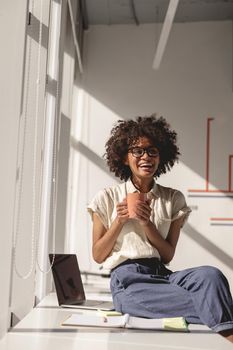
x: 174, y: 323
x: 95, y: 320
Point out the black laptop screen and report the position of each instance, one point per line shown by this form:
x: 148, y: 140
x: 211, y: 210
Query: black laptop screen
x: 67, y: 278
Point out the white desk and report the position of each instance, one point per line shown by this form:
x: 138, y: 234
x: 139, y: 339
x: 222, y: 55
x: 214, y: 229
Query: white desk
x: 41, y: 330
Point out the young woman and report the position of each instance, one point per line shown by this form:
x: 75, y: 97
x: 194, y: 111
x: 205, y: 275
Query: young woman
x: 137, y: 250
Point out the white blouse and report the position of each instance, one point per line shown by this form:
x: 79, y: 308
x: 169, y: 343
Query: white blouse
x: 167, y: 205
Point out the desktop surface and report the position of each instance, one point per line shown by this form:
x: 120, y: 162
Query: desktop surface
x: 41, y: 329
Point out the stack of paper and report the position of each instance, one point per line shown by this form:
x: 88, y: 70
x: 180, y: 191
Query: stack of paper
x: 126, y: 321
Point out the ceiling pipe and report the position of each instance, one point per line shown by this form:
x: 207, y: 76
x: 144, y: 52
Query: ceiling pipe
x: 76, y: 43
x: 171, y: 11
x: 132, y: 5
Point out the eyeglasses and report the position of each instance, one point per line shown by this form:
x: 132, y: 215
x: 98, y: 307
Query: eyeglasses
x: 139, y: 152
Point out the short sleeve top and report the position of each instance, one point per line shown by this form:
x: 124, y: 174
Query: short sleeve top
x: 167, y: 205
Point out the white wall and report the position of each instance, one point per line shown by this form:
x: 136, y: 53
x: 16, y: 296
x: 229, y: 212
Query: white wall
x: 193, y: 83
x: 13, y: 17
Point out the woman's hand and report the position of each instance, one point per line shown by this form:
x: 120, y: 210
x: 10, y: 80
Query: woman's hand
x: 143, y: 212
x: 122, y: 211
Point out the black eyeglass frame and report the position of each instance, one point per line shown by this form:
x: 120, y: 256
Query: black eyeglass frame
x: 143, y: 151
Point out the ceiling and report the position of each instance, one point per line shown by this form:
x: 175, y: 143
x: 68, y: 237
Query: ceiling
x: 137, y: 12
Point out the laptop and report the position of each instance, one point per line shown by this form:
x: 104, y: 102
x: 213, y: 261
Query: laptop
x: 69, y: 286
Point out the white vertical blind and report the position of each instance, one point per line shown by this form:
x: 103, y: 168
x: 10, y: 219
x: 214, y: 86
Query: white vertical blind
x: 29, y: 158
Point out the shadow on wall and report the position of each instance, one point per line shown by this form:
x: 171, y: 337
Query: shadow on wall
x: 208, y: 246
x: 33, y: 30
x: 91, y: 156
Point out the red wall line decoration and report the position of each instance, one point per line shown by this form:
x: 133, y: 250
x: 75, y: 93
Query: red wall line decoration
x: 228, y: 190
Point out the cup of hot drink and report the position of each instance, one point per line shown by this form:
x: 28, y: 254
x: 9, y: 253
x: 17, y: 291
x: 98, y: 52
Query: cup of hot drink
x: 132, y: 199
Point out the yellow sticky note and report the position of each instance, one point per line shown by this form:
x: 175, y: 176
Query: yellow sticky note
x: 108, y: 313
x: 175, y: 324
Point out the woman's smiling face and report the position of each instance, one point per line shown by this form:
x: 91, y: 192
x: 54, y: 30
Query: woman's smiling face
x: 143, y: 166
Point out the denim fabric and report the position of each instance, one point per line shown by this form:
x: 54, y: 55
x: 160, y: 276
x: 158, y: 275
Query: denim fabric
x: 199, y: 294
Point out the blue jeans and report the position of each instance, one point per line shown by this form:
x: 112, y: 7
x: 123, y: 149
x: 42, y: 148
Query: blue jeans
x: 145, y: 288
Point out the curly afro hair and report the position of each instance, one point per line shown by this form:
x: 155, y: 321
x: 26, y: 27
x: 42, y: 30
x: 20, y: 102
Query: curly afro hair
x: 127, y: 132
